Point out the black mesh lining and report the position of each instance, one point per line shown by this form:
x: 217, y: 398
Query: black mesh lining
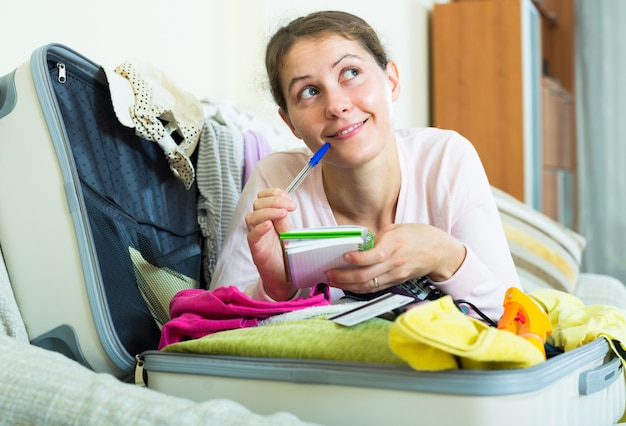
x: 132, y: 200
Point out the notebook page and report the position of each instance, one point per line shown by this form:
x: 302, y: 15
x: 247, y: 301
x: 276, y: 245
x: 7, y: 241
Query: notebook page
x: 307, y: 265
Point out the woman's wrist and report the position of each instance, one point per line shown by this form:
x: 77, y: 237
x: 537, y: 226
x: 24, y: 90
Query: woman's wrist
x: 288, y: 293
x: 451, y: 262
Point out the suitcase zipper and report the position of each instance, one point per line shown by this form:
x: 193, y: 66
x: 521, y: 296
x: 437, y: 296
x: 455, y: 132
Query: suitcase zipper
x: 140, y: 378
x: 61, y: 77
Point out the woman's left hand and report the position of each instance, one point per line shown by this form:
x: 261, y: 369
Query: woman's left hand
x: 400, y: 252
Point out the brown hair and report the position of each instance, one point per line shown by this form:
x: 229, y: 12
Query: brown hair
x: 315, y: 25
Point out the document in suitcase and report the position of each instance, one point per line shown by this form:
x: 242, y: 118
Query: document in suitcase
x: 90, y: 215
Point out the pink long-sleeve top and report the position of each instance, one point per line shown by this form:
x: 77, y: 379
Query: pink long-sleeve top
x: 443, y: 184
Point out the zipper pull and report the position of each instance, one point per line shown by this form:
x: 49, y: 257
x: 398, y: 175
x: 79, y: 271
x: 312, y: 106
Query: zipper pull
x: 61, y: 78
x: 139, y: 374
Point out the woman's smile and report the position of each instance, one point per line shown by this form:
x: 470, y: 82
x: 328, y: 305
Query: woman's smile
x: 348, y: 131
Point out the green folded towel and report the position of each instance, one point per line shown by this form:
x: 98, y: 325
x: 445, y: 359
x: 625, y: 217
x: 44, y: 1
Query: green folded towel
x: 314, y: 338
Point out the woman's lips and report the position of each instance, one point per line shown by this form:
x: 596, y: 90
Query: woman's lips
x: 350, y: 129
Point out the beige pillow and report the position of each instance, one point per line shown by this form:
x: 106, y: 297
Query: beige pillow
x: 546, y: 253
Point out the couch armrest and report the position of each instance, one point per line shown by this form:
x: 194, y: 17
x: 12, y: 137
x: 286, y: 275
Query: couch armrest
x: 599, y: 289
x: 11, y: 323
x: 39, y: 386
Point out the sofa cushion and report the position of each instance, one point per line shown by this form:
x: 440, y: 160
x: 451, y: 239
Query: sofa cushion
x: 44, y: 387
x: 11, y: 323
x: 601, y: 289
x: 546, y: 253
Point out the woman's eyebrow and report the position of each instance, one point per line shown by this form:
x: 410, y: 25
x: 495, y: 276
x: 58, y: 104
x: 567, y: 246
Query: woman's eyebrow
x: 334, y: 64
x: 295, y: 80
x: 343, y: 58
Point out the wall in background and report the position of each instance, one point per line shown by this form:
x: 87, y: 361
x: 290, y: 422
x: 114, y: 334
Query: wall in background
x: 213, y: 48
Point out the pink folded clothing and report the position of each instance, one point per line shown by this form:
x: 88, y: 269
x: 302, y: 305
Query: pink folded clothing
x: 195, y: 313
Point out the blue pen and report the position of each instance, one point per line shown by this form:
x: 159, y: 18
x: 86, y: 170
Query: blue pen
x: 305, y: 171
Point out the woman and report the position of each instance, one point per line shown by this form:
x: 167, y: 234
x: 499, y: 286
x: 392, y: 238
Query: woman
x: 423, y: 192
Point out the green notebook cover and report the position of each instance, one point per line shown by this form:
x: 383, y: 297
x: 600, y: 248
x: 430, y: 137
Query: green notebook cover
x: 310, y: 252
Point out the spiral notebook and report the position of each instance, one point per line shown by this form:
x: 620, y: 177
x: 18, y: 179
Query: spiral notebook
x: 310, y: 252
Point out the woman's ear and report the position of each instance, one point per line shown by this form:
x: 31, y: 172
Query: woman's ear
x: 394, y: 79
x: 287, y: 121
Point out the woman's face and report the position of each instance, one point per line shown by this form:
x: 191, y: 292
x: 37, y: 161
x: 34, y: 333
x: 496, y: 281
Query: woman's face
x: 336, y: 92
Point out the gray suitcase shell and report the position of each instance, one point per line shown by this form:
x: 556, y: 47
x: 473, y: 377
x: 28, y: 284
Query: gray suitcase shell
x: 66, y: 165
x: 583, y: 387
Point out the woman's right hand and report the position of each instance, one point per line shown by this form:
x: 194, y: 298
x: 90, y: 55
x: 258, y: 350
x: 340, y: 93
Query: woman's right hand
x: 265, y: 222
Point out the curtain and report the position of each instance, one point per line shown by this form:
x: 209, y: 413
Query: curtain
x: 601, y: 133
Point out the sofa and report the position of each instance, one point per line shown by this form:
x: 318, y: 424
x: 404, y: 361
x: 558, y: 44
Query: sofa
x: 548, y: 255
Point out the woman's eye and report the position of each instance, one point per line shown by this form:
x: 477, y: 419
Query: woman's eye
x: 308, y: 92
x: 350, y: 73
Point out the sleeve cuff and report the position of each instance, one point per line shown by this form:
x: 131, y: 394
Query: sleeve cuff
x: 472, y: 270
x: 257, y: 292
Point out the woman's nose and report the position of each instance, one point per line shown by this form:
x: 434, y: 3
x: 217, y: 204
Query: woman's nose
x: 337, y: 105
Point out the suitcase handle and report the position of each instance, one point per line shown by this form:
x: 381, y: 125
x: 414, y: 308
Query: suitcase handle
x: 8, y: 94
x: 595, y: 380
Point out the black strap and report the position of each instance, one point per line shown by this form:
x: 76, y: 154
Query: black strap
x: 463, y: 307
x: 619, y: 349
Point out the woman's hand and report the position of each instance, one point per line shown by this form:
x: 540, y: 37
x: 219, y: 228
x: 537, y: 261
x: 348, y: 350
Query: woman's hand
x: 400, y: 252
x: 265, y: 222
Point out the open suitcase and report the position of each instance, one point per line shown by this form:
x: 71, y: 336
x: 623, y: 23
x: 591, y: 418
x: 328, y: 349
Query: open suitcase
x: 68, y: 222
x: 84, y: 205
x: 582, y: 387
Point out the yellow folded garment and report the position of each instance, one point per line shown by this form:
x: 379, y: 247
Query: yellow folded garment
x: 575, y: 324
x: 438, y: 336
